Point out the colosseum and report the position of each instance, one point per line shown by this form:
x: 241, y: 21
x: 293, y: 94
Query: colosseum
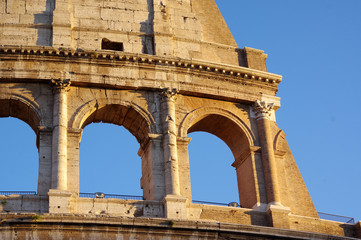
x: 161, y: 69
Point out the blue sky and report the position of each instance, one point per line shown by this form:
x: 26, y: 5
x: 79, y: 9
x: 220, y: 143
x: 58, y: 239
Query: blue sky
x: 315, y: 45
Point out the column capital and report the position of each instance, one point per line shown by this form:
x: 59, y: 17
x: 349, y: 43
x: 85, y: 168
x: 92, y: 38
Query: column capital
x: 169, y: 94
x: 60, y: 85
x: 263, y: 109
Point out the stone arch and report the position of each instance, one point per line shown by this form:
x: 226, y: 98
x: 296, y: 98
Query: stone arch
x: 208, y: 118
x: 22, y: 108
x: 124, y: 113
x: 241, y: 141
x: 279, y: 141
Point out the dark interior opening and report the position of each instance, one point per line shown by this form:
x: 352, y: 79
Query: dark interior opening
x: 110, y: 45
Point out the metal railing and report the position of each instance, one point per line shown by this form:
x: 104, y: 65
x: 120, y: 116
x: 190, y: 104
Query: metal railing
x: 325, y: 216
x: 210, y: 203
x: 106, y: 195
x: 337, y: 218
x: 7, y: 193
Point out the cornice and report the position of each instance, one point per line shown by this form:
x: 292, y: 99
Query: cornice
x: 229, y: 71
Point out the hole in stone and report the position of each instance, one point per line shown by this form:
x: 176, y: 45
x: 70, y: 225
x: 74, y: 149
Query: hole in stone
x: 110, y: 45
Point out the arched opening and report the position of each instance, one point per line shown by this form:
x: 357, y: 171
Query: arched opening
x: 18, y: 146
x: 108, y: 160
x: 21, y: 110
x: 108, y: 151
x: 121, y: 115
x: 231, y: 140
x: 224, y: 128
x: 213, y: 179
x: 19, y: 156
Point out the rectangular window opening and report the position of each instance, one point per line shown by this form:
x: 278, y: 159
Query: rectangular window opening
x: 110, y: 45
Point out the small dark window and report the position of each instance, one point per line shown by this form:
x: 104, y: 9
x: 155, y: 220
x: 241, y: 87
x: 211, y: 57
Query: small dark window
x: 110, y: 45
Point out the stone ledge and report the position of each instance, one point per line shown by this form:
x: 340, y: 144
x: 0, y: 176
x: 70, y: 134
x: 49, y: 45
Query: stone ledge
x: 70, y: 224
x: 221, y: 69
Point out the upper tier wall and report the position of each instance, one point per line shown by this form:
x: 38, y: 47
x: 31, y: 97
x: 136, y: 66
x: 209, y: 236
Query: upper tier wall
x: 173, y: 28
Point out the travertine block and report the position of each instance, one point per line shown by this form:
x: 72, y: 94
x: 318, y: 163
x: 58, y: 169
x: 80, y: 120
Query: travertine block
x: 37, y: 6
x: 115, y: 15
x: 15, y: 7
x: 87, y: 12
x: 114, y: 4
x: 27, y: 18
x: 7, y: 18
x: 2, y: 7
x: 124, y: 26
x: 61, y: 18
x: 133, y: 6
x: 175, y: 207
x: 93, y: 23
x: 278, y: 216
x: 140, y: 16
x: 59, y: 201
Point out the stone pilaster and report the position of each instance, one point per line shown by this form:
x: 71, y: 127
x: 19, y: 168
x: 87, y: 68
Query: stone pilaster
x: 44, y: 145
x: 59, y: 139
x: 174, y: 203
x: 152, y: 181
x: 250, y: 177
x: 277, y: 214
x: 263, y: 112
x: 183, y: 165
x: 170, y: 141
x: 61, y: 24
x: 73, y: 144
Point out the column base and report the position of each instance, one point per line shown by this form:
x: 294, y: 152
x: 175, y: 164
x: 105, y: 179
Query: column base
x: 278, y: 215
x: 175, y: 207
x: 59, y: 201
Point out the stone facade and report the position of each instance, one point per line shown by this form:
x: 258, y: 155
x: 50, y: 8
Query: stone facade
x: 162, y: 69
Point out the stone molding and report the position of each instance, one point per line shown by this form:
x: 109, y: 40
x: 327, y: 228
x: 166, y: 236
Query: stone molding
x: 147, y: 227
x: 219, y: 69
x: 244, y: 156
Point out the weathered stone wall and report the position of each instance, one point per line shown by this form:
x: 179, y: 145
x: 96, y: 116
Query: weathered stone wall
x: 57, y: 227
x: 166, y: 28
x: 173, y: 28
x: 159, y: 100
x: 26, y: 22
